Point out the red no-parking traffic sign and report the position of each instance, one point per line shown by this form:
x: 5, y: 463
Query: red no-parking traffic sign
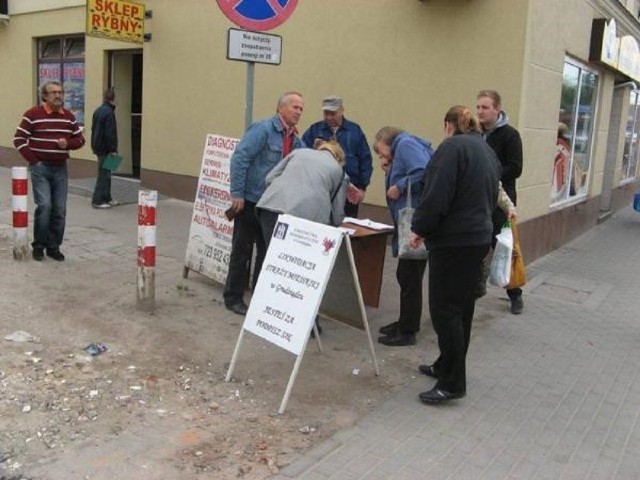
x: 258, y: 15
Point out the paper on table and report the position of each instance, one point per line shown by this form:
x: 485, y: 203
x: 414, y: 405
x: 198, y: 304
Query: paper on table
x: 365, y: 222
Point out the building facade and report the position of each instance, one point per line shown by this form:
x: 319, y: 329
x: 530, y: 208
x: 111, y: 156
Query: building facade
x: 394, y: 62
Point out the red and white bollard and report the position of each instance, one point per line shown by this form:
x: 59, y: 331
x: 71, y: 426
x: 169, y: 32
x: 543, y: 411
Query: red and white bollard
x: 146, y: 292
x: 19, y: 190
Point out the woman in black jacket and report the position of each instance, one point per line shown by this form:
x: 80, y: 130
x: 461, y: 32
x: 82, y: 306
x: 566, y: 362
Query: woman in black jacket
x: 454, y: 221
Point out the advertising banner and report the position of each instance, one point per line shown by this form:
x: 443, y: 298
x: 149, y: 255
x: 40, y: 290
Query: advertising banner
x: 209, y: 244
x: 116, y: 19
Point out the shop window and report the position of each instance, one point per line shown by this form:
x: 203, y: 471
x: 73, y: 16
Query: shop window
x: 631, y: 139
x: 61, y: 59
x: 575, y: 132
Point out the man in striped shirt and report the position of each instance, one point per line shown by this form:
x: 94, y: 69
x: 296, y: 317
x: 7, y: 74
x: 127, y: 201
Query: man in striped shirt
x: 44, y: 138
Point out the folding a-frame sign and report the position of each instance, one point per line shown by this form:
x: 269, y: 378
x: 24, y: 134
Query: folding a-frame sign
x: 306, y: 262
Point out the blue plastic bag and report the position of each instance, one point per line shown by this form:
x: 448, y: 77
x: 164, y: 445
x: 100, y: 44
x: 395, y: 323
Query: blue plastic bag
x: 636, y: 202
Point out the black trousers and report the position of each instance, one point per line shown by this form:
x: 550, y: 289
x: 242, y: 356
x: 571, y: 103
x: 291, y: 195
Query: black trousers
x: 453, y: 275
x: 409, y: 274
x: 246, y: 232
x: 267, y: 220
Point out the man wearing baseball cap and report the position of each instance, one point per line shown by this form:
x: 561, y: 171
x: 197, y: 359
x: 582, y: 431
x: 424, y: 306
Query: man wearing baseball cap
x: 349, y: 135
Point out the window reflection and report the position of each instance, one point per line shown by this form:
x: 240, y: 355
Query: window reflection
x: 575, y: 132
x: 631, y: 139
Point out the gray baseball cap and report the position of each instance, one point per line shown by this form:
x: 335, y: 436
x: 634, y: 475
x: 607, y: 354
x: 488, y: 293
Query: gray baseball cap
x: 332, y: 103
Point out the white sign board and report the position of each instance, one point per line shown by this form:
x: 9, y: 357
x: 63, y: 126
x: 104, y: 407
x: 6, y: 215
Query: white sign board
x: 256, y: 47
x: 209, y: 244
x: 292, y: 282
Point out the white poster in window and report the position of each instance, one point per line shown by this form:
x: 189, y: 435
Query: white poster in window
x: 209, y: 244
x: 292, y: 282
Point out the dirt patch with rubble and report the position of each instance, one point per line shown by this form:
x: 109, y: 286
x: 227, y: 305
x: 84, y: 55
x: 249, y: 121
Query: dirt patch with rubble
x: 155, y: 400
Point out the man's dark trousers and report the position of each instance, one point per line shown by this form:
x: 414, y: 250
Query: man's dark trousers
x: 102, y: 190
x: 246, y: 232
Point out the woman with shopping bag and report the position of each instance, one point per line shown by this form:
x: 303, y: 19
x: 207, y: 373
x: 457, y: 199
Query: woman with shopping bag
x: 453, y: 219
x: 403, y: 157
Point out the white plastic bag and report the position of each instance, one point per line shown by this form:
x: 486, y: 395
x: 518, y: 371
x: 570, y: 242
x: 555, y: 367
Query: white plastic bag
x: 500, y: 271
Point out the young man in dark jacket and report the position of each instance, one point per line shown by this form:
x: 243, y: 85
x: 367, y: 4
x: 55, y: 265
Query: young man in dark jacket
x: 505, y: 141
x: 104, y: 140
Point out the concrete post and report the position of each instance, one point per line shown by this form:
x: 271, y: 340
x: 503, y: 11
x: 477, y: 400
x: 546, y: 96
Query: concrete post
x: 19, y: 189
x: 146, y: 291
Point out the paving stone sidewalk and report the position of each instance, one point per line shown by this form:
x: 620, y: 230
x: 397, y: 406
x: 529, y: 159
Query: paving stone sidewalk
x: 553, y: 393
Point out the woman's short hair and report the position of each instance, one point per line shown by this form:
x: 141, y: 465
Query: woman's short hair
x: 335, y: 149
x: 386, y: 135
x: 462, y: 119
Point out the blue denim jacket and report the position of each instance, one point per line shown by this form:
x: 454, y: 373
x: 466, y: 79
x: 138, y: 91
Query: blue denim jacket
x: 257, y: 153
x: 358, y: 164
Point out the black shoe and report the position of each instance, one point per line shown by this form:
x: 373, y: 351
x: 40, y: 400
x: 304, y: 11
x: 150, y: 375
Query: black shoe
x: 56, y: 255
x: 437, y: 395
x: 398, y: 339
x: 389, y: 329
x: 517, y: 305
x: 239, y: 308
x: 428, y: 370
x: 38, y: 254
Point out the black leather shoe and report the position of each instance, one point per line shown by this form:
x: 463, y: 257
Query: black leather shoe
x: 398, y: 339
x: 38, y: 254
x: 238, y: 308
x: 428, y: 370
x: 517, y: 305
x: 56, y: 255
x: 389, y: 329
x: 437, y: 395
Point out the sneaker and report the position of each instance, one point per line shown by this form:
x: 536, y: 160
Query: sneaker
x: 100, y: 205
x: 38, y: 254
x: 114, y: 203
x: 56, y: 255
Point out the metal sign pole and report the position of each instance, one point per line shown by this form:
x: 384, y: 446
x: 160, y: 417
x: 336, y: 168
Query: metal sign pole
x: 248, y: 112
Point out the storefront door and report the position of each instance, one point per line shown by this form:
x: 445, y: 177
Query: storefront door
x: 126, y: 78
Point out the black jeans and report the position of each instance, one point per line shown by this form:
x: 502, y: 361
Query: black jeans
x: 453, y: 275
x: 409, y: 275
x: 246, y: 232
x: 102, y: 190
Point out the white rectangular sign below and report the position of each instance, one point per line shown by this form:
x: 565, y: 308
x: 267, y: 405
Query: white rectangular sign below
x: 292, y: 282
x: 257, y: 47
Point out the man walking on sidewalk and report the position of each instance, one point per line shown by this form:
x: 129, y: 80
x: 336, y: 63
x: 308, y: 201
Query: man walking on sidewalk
x: 505, y: 141
x: 264, y: 144
x: 104, y: 141
x: 44, y: 138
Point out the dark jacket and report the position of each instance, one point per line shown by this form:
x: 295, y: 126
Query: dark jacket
x: 460, y: 193
x: 104, y: 133
x: 505, y: 141
x: 358, y: 164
